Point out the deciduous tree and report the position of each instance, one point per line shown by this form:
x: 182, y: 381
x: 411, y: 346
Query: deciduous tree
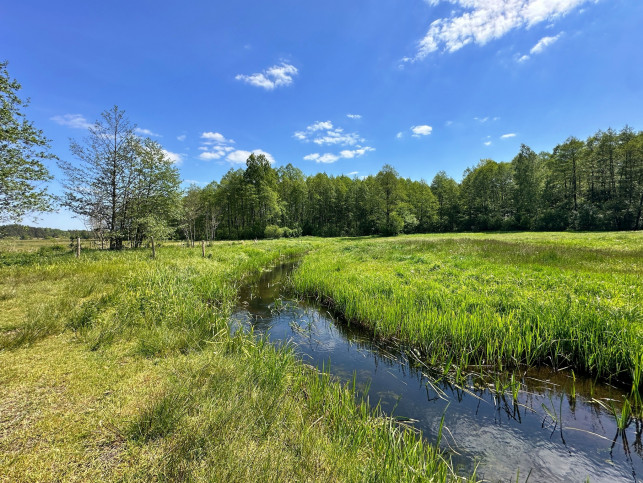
x: 24, y: 150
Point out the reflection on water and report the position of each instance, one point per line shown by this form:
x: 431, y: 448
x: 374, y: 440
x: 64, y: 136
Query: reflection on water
x: 545, y: 433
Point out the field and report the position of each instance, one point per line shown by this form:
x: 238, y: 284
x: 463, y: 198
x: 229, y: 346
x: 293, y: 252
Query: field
x: 564, y: 300
x: 119, y: 367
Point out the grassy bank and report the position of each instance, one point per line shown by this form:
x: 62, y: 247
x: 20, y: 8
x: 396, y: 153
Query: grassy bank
x: 119, y: 367
x: 564, y: 300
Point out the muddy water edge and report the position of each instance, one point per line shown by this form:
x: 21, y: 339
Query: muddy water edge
x: 543, y: 425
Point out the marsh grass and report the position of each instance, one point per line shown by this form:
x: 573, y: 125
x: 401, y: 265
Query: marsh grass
x: 119, y: 367
x: 562, y: 300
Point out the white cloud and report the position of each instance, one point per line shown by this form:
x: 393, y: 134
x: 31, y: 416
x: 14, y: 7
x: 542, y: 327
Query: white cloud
x: 215, y: 137
x: 487, y: 143
x: 508, y: 135
x: 481, y: 119
x: 422, y: 130
x: 324, y: 133
x: 323, y: 158
x: 327, y: 158
x: 181, y: 137
x: 320, y: 126
x: 448, y: 123
x: 345, y: 154
x: 355, y: 153
x: 210, y: 155
x: 146, y: 132
x: 176, y: 158
x: 76, y: 121
x: 214, y: 146
x: 540, y: 46
x: 240, y: 157
x: 480, y: 21
x: 280, y: 75
x: 338, y: 137
x: 352, y: 173
x: 354, y: 116
x: 399, y: 135
x: 544, y: 43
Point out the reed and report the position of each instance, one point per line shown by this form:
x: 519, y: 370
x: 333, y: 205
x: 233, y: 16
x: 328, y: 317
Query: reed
x: 563, y: 300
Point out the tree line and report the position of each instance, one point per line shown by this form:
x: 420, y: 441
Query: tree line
x: 596, y: 184
x: 126, y: 188
x: 25, y: 232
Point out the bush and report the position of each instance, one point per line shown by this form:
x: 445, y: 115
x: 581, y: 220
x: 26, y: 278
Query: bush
x: 273, y: 231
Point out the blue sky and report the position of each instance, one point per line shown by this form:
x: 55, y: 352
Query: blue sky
x: 335, y: 86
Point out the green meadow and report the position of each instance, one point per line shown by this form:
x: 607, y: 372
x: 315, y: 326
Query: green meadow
x: 122, y: 367
x: 565, y: 300
x: 119, y: 367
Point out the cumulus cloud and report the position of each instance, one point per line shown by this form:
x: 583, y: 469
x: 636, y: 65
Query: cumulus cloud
x: 320, y: 126
x: 324, y: 133
x: 399, y: 135
x: 487, y: 143
x: 354, y: 116
x: 214, y: 152
x: 508, y: 135
x: 480, y: 21
x: 146, y: 132
x: 321, y: 158
x: 181, y: 137
x: 240, y: 156
x: 215, y: 138
x: 76, y: 121
x: 355, y: 153
x: 214, y: 146
x: 422, y: 130
x: 338, y: 137
x: 280, y: 75
x: 176, y: 158
x: 345, y: 154
x: 210, y: 155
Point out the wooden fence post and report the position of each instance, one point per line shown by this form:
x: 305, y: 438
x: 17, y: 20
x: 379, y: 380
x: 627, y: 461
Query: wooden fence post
x: 153, y: 248
x: 78, y: 247
x: 203, y: 248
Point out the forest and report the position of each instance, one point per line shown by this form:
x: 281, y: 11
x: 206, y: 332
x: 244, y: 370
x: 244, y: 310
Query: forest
x: 25, y: 232
x: 596, y: 184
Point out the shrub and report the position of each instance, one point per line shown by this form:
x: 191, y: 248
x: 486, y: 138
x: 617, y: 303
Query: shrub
x: 273, y: 231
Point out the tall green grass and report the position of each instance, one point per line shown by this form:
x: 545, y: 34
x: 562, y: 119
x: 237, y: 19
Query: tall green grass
x: 120, y: 367
x: 563, y: 300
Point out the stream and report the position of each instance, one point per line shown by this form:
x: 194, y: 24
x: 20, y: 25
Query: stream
x: 546, y: 435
